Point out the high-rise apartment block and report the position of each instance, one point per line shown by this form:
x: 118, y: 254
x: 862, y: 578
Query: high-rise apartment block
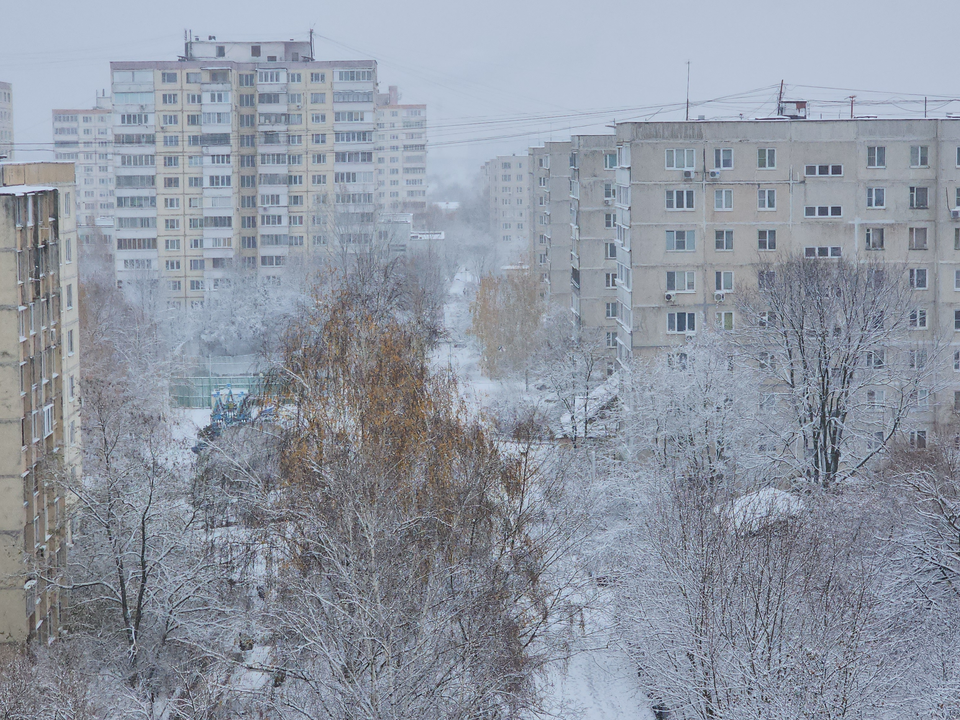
x: 85, y: 137
x: 39, y: 432
x: 550, y: 228
x: 6, y: 121
x: 593, y: 220
x: 401, y: 154
x: 507, y: 187
x: 249, y: 154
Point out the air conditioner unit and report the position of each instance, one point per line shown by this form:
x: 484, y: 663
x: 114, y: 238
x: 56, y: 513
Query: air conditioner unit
x: 668, y: 297
x: 955, y: 214
x: 688, y: 174
x: 718, y: 297
x: 714, y: 174
x: 609, y: 201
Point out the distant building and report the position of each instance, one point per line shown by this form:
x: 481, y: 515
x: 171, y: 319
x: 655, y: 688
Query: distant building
x: 245, y: 154
x: 6, y: 121
x: 507, y: 190
x: 401, y: 154
x: 39, y: 415
x: 550, y: 219
x: 85, y: 137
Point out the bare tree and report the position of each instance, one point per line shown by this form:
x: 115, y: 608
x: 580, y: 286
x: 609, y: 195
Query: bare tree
x: 831, y: 338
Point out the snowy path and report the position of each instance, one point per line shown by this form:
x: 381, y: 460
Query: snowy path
x: 599, y: 682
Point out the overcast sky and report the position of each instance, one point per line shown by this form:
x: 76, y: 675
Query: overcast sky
x: 500, y: 75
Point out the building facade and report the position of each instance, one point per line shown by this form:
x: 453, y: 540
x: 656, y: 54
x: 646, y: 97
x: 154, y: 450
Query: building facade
x: 700, y: 204
x: 593, y: 220
x: 39, y: 331
x: 550, y: 222
x: 401, y: 154
x: 6, y: 121
x: 248, y: 155
x: 506, y: 182
x: 85, y: 137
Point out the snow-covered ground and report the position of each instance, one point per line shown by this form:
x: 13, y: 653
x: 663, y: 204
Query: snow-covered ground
x: 599, y: 682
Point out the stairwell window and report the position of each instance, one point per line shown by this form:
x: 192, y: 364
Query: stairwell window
x: 918, y: 238
x: 918, y: 198
x: 919, y: 156
x: 874, y: 238
x: 918, y: 278
x: 766, y: 239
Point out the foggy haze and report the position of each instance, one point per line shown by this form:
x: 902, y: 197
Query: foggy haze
x: 499, y: 76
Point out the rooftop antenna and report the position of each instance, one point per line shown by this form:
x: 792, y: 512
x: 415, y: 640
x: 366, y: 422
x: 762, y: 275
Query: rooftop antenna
x: 780, y: 100
x: 312, y: 56
x: 688, y: 91
x: 852, y: 98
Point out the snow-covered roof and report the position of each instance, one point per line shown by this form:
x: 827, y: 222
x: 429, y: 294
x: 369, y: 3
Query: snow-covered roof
x: 25, y: 189
x: 756, y: 510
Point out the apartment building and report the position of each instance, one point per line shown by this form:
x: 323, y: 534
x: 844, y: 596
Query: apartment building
x: 239, y: 154
x: 699, y: 204
x: 593, y: 221
x: 6, y: 121
x: 507, y: 188
x: 40, y: 428
x: 85, y: 138
x: 401, y: 139
x: 550, y: 227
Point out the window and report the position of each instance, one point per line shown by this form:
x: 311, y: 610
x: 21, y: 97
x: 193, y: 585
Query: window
x: 316, y: 77
x: 916, y: 359
x: 723, y: 158
x: 876, y: 157
x: 823, y: 170
x: 918, y: 238
x: 875, y: 359
x: 69, y: 297
x: 766, y: 158
x: 918, y: 156
x: 681, y: 159
x: 172, y: 244
x: 196, y: 264
x: 171, y: 182
x: 681, y: 322
x: 609, y: 161
x: 874, y: 238
x: 611, y: 310
x: 168, y: 77
x: 172, y: 265
x: 723, y: 199
x: 767, y: 239
x: 681, y: 240
x: 918, y: 319
x: 918, y: 278
x: 679, y: 199
x: 956, y: 319
x: 681, y: 281
x: 918, y: 439
x: 611, y: 339
x: 724, y: 239
x: 724, y: 281
x: 822, y: 211
x: 610, y: 251
x: 875, y: 197
x: 724, y: 320
x: 918, y: 198
x: 766, y: 279
x: 766, y: 199
x: 171, y: 161
x: 610, y: 280
x: 822, y: 251
x: 196, y: 285
x: 609, y: 220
